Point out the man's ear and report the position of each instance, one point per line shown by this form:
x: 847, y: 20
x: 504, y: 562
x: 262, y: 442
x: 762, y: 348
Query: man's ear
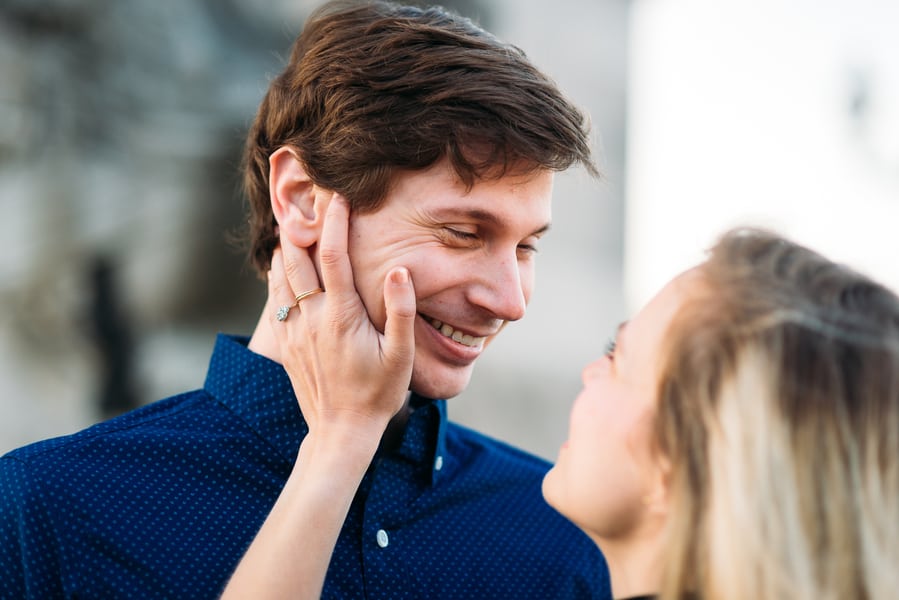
x: 298, y: 205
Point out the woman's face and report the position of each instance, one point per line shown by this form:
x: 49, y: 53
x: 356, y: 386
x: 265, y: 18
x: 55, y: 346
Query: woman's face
x: 607, y: 477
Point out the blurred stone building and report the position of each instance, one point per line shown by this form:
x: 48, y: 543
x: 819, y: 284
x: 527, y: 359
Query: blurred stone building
x: 121, y: 124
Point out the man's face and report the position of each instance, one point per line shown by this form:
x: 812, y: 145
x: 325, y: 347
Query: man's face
x: 471, y: 257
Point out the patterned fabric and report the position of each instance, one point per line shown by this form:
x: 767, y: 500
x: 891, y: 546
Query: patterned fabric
x: 162, y: 502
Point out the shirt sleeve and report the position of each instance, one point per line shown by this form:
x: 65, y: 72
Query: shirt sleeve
x: 29, y: 553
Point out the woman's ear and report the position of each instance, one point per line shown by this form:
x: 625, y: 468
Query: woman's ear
x: 657, y: 500
x: 298, y: 205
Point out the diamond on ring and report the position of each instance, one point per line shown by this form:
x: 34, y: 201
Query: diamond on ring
x: 282, y: 313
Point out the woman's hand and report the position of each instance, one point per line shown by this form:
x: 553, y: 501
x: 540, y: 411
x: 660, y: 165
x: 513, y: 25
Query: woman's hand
x: 349, y: 378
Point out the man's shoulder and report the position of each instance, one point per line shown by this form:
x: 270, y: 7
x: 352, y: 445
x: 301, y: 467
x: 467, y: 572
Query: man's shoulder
x: 132, y: 498
x: 169, y: 413
x: 472, y: 445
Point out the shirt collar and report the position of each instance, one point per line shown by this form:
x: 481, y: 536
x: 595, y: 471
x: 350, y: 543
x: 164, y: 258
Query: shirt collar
x: 423, y: 442
x: 259, y: 392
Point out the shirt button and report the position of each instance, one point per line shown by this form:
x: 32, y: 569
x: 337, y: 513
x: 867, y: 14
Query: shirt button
x: 438, y: 463
x: 383, y: 540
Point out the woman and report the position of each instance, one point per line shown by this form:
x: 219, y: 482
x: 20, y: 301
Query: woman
x: 740, y: 438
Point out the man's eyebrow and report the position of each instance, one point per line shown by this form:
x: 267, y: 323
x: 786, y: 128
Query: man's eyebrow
x: 483, y: 216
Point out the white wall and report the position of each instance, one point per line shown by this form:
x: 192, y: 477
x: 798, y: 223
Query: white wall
x: 782, y: 113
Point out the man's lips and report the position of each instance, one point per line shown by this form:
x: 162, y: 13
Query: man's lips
x: 448, y: 331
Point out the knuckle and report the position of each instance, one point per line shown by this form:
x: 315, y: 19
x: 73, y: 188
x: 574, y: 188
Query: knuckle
x: 291, y: 269
x: 328, y: 255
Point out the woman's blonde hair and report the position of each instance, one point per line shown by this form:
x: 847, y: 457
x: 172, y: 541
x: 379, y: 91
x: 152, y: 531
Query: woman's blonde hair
x: 778, y: 409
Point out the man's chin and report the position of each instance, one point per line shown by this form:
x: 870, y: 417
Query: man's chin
x: 430, y: 386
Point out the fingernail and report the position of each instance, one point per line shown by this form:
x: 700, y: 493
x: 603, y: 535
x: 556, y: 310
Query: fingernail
x: 399, y: 276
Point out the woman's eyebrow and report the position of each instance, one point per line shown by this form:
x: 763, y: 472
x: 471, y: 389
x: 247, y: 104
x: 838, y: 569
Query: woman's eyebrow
x: 618, y: 339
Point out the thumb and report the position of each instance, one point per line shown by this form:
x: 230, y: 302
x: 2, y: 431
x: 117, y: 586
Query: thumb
x: 399, y: 330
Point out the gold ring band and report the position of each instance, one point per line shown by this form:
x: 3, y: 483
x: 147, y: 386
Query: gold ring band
x: 305, y: 295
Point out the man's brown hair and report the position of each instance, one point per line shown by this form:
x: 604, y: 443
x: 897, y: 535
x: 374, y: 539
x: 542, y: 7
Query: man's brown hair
x: 375, y: 88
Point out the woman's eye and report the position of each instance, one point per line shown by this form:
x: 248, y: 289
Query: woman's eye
x: 610, y: 348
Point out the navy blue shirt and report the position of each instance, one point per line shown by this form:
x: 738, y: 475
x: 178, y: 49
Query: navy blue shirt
x: 163, y: 502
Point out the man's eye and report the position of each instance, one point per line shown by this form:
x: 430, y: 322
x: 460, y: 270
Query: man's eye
x: 462, y: 235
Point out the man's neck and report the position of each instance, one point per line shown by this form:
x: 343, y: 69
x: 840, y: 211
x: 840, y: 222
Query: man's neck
x: 263, y: 340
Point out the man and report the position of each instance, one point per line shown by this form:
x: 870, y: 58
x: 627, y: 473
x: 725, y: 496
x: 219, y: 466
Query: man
x: 443, y: 140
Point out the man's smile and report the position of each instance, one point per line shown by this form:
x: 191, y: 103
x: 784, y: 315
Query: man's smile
x: 456, y: 335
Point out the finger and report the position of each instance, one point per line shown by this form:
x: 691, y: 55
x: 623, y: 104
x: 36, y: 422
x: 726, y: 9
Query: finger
x: 278, y: 293
x: 279, y: 290
x: 337, y: 274
x: 298, y: 269
x: 399, y: 331
x: 283, y: 298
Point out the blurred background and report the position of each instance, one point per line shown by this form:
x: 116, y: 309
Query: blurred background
x: 121, y: 124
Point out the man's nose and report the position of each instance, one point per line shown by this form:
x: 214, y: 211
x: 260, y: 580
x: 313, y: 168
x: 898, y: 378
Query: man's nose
x: 501, y: 289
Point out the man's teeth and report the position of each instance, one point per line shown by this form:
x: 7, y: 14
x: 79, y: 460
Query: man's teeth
x: 457, y: 336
